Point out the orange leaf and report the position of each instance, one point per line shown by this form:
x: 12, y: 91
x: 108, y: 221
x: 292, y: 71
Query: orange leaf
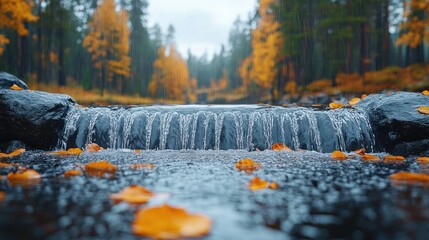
x: 24, y: 177
x: 137, y: 150
x: 100, y: 168
x: 71, y: 151
x: 5, y: 165
x: 133, y: 194
x: 72, y: 173
x: 364, y: 96
x: 2, y: 196
x: 338, y: 155
x: 280, y: 147
x: 410, y: 177
x: 12, y: 154
x: 360, y: 152
x: 16, y: 87
x: 423, y: 159
x: 257, y: 184
x: 136, y: 166
x: 247, y: 164
x: 93, y: 147
x: 335, y: 105
x: 423, y: 109
x: 354, y: 101
x: 425, y: 92
x: 166, y: 222
x: 393, y: 158
x: 369, y: 157
x: 273, y: 185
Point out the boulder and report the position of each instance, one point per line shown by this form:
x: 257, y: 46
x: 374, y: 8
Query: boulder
x: 7, y: 80
x: 32, y: 117
x: 397, y: 124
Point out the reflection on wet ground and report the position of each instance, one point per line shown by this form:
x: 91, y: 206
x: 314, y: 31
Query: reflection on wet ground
x: 318, y: 198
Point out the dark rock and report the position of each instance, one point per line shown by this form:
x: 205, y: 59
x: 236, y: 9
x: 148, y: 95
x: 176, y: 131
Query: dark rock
x: 7, y: 80
x: 32, y: 117
x: 397, y: 125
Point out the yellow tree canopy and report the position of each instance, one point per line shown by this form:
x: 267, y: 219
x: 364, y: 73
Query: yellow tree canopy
x: 13, y: 14
x: 108, y: 40
x: 171, y: 76
x: 416, y: 28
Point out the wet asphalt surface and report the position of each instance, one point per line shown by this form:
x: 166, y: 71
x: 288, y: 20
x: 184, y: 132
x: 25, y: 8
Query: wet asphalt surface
x: 318, y: 198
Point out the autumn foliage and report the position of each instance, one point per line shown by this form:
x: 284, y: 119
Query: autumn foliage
x: 133, y: 194
x: 247, y: 164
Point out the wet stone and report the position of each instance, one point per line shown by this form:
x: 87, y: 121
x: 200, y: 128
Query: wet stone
x: 317, y: 198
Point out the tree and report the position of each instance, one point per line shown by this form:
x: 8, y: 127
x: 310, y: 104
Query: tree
x: 14, y: 14
x: 108, y: 43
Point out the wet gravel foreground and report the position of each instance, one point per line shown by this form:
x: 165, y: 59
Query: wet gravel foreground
x: 318, y: 198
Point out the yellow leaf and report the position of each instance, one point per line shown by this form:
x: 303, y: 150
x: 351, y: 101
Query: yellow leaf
x: 257, y: 184
x: 354, y: 101
x: 166, y: 222
x: 93, y: 147
x: 247, y: 164
x: 369, y: 157
x: 425, y: 92
x: 423, y: 109
x: 72, y: 173
x: 133, y: 194
x: 335, y: 105
x: 280, y: 147
x: 338, y: 155
x: 12, y: 154
x: 410, y: 177
x: 16, y: 87
x: 71, y: 151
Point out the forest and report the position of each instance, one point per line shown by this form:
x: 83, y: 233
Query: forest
x: 285, y: 49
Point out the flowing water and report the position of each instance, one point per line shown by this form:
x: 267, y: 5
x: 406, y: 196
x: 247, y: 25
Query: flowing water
x: 218, y: 127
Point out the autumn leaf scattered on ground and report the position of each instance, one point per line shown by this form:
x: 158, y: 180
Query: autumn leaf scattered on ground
x: 71, y: 151
x: 360, y: 152
x: 137, y: 166
x: 2, y: 196
x: 137, y: 150
x: 166, y: 222
x: 247, y: 164
x: 280, y: 147
x: 12, y: 154
x: 410, y: 177
x: 133, y: 194
x: 423, y: 109
x: 393, y: 158
x: 273, y: 185
x: 257, y: 184
x: 354, y: 101
x: 100, y: 168
x: 93, y: 147
x: 423, y: 159
x: 24, y: 177
x: 338, y: 155
x: 72, y: 173
x: 335, y: 105
x: 16, y: 87
x: 425, y: 92
x: 369, y: 157
x: 363, y: 96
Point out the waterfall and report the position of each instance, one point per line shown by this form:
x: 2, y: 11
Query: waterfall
x: 217, y: 127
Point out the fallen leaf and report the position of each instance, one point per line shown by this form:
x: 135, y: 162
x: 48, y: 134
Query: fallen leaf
x: 273, y: 185
x: 369, y: 157
x: 363, y: 96
x: 71, y: 151
x: 423, y: 159
x: 137, y: 150
x: 93, y: 147
x: 425, y: 92
x: 351, y: 156
x: 133, y: 194
x: 136, y: 166
x: 12, y: 154
x: 393, y: 158
x: 280, y: 147
x: 338, y: 155
x: 335, y: 105
x: 5, y: 165
x: 24, y: 177
x: 166, y: 222
x: 354, y: 101
x: 16, y: 87
x: 100, y: 168
x: 72, y: 173
x: 410, y: 177
x: 360, y: 152
x: 247, y: 164
x: 2, y: 196
x: 423, y: 109
x: 257, y: 184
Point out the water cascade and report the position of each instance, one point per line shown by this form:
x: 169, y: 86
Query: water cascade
x: 217, y: 127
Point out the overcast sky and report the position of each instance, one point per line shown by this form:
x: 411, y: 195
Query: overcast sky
x: 201, y: 25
